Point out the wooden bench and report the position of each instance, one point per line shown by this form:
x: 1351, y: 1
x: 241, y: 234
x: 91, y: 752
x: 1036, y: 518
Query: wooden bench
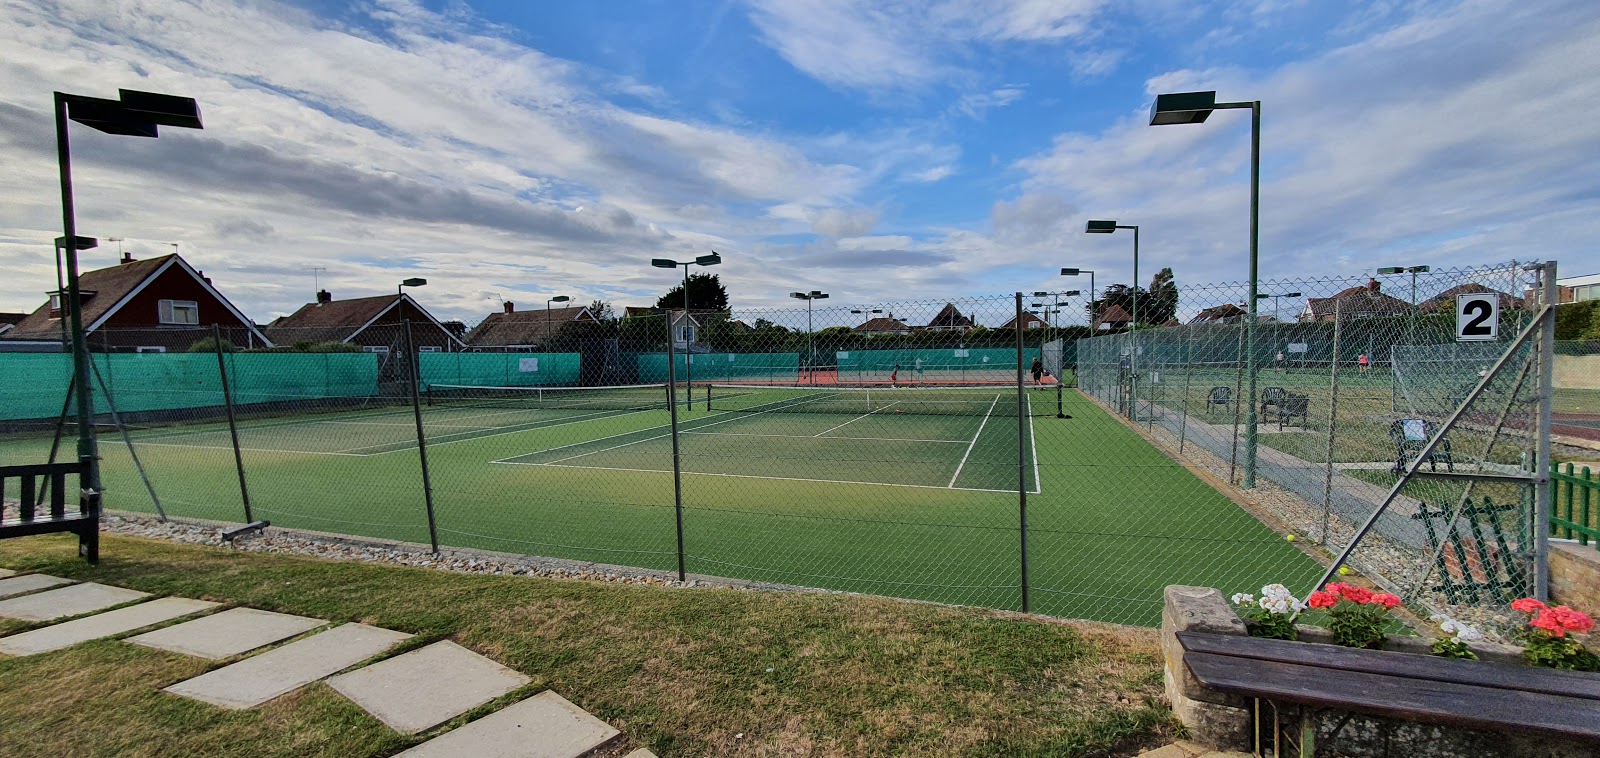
x: 1419, y: 688
x: 24, y: 518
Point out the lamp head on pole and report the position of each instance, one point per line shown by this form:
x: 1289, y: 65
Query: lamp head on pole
x: 137, y: 114
x: 1070, y: 272
x: 663, y: 263
x: 415, y: 282
x: 1182, y: 108
x: 709, y: 260
x: 1100, y: 227
x: 558, y: 299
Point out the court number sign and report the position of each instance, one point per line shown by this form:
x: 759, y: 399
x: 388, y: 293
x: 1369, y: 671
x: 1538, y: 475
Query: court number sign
x: 1477, y: 317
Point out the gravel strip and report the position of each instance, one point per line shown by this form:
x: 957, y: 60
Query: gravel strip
x: 342, y: 548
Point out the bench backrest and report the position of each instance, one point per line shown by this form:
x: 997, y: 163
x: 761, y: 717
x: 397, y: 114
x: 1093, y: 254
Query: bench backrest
x: 34, y: 482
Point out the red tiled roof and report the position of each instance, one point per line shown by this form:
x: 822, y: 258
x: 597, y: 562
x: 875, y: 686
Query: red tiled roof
x: 529, y: 327
x: 109, y: 285
x: 334, y: 321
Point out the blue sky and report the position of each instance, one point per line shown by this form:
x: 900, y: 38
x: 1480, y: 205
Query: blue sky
x: 881, y: 150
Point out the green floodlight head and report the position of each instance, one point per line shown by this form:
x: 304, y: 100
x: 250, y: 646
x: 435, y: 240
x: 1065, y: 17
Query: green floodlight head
x: 82, y: 243
x: 166, y: 110
x: 1071, y: 293
x: 1290, y: 294
x: 1421, y: 269
x: 1100, y: 227
x: 1070, y: 272
x: 1391, y: 270
x: 709, y: 260
x: 415, y: 282
x: 1182, y: 108
x: 799, y: 296
x: 560, y: 299
x: 663, y: 263
x: 109, y: 116
x: 818, y: 295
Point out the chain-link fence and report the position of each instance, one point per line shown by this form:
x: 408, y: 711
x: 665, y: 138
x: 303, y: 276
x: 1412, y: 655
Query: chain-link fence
x: 937, y: 450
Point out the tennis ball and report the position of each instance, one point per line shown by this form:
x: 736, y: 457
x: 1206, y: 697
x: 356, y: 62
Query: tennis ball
x: 1289, y: 537
x: 1344, y: 571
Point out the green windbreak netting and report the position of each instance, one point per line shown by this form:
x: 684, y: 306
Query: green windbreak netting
x: 500, y: 369
x: 783, y: 367
x: 986, y: 364
x: 35, y: 383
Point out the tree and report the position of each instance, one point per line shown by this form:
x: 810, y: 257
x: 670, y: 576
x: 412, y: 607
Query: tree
x: 457, y: 328
x: 1162, y: 304
x: 1120, y: 295
x: 601, y: 310
x: 706, y: 293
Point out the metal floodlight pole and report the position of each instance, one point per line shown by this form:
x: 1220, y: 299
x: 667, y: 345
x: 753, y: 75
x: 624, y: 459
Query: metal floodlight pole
x: 1110, y: 227
x: 811, y: 338
x: 1411, y: 323
x: 414, y: 375
x: 1195, y: 108
x: 1094, y: 318
x: 712, y: 259
x: 547, y: 302
x: 134, y: 114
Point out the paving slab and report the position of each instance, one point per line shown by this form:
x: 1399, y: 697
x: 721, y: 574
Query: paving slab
x: 256, y: 680
x: 67, y: 601
x: 7, y: 572
x: 226, y: 634
x: 17, y: 585
x: 427, y: 687
x: 640, y: 753
x: 543, y: 726
x: 101, y: 625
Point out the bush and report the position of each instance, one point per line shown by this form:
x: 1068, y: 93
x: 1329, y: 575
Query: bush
x: 209, y: 345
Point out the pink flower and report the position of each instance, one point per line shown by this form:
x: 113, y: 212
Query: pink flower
x: 1321, y: 599
x: 1549, y: 622
x: 1527, y: 605
x: 1571, y: 620
x: 1386, y: 600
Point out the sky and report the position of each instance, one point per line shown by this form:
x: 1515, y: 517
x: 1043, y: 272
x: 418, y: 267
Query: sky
x: 878, y: 150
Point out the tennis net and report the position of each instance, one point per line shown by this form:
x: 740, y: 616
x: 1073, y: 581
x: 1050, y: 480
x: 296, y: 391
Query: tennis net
x: 623, y: 397
x: 984, y: 400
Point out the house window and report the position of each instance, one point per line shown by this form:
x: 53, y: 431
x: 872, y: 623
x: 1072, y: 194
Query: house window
x: 1034, y: 325
x: 1586, y: 292
x: 686, y: 334
x: 150, y: 349
x: 181, y: 312
x: 429, y: 349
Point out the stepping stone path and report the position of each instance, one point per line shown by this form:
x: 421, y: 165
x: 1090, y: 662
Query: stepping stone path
x: 256, y: 680
x: 29, y: 583
x: 101, y: 625
x: 424, y: 688
x: 67, y: 601
x: 543, y: 726
x: 228, y: 633
x: 412, y: 692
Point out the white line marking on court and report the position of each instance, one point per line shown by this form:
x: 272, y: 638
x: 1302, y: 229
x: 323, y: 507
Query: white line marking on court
x: 431, y: 443
x: 973, y: 443
x: 607, y: 437
x: 247, y: 449
x: 812, y: 437
x: 1033, y: 444
x: 858, y: 418
x: 753, y: 476
x: 669, y: 434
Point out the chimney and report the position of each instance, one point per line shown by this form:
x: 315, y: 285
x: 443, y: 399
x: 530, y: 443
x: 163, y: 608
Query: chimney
x: 324, y: 297
x: 203, y: 276
x: 510, y: 306
x: 127, y: 258
x: 1372, y: 285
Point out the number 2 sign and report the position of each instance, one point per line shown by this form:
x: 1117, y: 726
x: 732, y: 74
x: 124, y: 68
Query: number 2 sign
x: 1477, y: 317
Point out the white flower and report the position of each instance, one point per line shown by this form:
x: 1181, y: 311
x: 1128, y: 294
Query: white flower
x: 1466, y: 633
x: 1276, y: 591
x: 1438, y: 618
x: 1241, y: 598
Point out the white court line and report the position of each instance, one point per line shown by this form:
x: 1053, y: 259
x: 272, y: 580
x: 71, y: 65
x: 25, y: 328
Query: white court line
x: 1033, y: 443
x: 973, y: 443
x: 247, y: 449
x: 669, y: 434
x: 812, y: 437
x: 607, y: 437
x: 432, y: 443
x: 857, y: 418
x: 753, y: 476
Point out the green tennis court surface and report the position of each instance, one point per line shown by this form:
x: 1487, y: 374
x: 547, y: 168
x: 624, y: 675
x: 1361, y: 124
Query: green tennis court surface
x: 909, y: 493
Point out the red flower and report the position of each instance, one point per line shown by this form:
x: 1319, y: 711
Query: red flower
x: 1550, y: 622
x: 1321, y: 599
x: 1527, y: 605
x: 1386, y: 600
x: 1571, y: 620
x: 1356, y: 594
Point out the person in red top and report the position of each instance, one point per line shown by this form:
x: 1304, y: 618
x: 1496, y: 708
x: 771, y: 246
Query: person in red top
x: 1363, y: 362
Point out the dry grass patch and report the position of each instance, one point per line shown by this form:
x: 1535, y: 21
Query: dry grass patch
x: 683, y: 672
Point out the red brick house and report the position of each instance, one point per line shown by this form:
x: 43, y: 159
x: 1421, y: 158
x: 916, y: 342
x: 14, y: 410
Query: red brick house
x: 155, y: 305
x: 373, y: 323
x: 1029, y: 321
x: 514, y: 329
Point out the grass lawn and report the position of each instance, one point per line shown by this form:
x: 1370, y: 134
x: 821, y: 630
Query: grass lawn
x: 682, y: 672
x: 911, y: 495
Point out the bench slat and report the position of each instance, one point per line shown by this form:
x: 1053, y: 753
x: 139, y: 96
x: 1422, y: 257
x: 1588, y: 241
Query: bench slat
x: 1461, y: 705
x: 1477, y: 673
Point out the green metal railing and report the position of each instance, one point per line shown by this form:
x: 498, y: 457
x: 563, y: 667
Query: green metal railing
x: 1576, y: 497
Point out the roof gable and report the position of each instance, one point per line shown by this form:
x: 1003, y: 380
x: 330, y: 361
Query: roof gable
x: 524, y: 327
x: 342, y: 320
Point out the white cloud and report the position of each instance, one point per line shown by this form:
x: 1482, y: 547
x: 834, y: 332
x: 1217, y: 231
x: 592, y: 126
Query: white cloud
x: 845, y: 222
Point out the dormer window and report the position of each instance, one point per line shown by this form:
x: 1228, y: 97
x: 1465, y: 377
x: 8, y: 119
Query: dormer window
x: 180, y: 312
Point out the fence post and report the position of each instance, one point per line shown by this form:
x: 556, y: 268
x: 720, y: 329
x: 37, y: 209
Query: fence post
x: 1022, y: 457
x: 1238, y: 387
x: 1541, y: 484
x: 233, y: 427
x: 1333, y: 422
x: 414, y: 378
x: 677, y: 468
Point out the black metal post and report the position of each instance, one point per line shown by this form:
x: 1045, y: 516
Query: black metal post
x: 1251, y: 432
x: 688, y: 348
x: 87, y: 453
x: 677, y: 469
x: 1022, y: 458
x: 414, y: 376
x: 233, y: 425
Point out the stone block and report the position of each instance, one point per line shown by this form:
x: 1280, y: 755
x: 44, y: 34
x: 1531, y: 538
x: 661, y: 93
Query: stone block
x: 543, y: 726
x: 60, y: 603
x: 18, y: 585
x: 424, y: 688
x: 226, y: 634
x: 1212, y: 718
x: 101, y: 625
x: 256, y: 680
x: 1575, y: 576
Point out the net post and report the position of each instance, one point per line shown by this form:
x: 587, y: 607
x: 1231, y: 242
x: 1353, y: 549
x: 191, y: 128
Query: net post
x: 414, y: 378
x: 677, y: 457
x: 233, y: 425
x: 1022, y: 458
